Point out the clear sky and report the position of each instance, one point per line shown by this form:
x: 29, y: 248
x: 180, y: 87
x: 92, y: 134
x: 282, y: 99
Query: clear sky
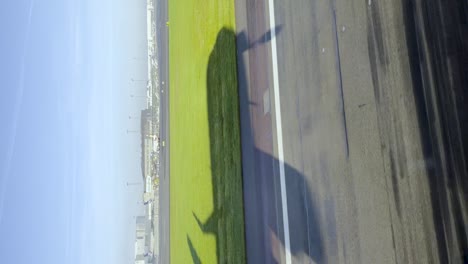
x: 65, y: 154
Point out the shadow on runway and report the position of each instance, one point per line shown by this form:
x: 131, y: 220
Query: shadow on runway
x: 262, y: 192
x: 265, y: 232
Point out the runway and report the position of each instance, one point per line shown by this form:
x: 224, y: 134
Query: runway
x: 373, y: 133
x: 162, y: 38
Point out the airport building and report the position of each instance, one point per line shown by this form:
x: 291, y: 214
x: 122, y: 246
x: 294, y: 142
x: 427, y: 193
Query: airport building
x: 143, y: 237
x: 149, y: 161
x: 147, y: 138
x: 150, y: 36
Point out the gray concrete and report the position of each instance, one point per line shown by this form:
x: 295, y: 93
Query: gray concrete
x: 359, y: 176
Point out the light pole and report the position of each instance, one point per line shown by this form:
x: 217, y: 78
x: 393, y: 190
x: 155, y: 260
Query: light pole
x: 138, y: 96
x: 132, y: 131
x: 139, y: 80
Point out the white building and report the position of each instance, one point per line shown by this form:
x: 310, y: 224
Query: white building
x: 150, y: 36
x: 143, y: 252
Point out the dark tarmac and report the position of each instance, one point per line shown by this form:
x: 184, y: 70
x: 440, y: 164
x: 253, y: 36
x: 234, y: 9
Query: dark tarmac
x: 374, y: 130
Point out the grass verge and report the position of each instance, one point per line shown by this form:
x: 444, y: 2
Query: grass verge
x: 207, y: 223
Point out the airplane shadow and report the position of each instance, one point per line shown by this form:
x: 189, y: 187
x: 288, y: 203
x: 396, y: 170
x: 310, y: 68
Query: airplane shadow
x: 262, y: 192
x: 226, y: 221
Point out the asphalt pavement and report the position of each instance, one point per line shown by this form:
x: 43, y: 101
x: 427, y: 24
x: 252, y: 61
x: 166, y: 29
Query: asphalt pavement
x: 162, y: 38
x: 358, y: 155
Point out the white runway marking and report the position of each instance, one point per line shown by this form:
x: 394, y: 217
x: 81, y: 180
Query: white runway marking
x: 284, y: 199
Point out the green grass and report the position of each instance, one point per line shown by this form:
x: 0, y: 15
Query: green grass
x: 207, y: 223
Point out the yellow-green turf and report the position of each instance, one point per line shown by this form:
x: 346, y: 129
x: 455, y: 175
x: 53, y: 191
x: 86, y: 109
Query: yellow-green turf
x: 206, y: 209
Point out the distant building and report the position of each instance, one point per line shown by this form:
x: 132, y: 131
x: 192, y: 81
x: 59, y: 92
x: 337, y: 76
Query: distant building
x: 140, y: 261
x: 143, y: 250
x: 150, y: 36
x: 147, y: 137
x: 147, y: 164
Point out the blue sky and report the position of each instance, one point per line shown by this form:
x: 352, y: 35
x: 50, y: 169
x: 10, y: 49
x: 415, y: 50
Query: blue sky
x: 65, y: 155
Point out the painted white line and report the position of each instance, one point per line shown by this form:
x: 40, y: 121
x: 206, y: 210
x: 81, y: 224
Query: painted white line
x: 284, y: 199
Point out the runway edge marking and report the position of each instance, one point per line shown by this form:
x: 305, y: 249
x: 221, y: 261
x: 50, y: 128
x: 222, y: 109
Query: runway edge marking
x: 284, y: 199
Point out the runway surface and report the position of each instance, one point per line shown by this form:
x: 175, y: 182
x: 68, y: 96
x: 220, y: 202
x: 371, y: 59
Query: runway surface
x: 162, y: 38
x: 360, y: 154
